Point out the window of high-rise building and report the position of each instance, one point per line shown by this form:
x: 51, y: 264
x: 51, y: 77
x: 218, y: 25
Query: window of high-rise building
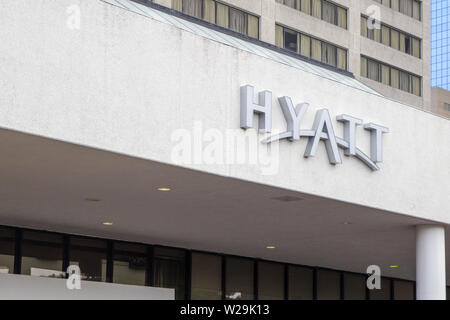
x: 220, y: 14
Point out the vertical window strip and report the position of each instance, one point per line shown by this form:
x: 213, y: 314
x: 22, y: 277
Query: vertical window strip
x: 385, y: 35
x: 364, y: 26
x: 306, y: 6
x: 279, y: 36
x: 305, y: 45
x: 342, y: 17
x: 341, y: 59
x: 209, y: 9
x: 317, y: 8
x: 221, y: 15
x: 177, y: 5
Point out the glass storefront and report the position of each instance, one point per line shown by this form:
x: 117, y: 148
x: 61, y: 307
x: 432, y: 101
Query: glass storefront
x: 240, y: 279
x: 129, y: 263
x: 90, y: 256
x: 328, y: 285
x: 384, y: 293
x: 300, y: 283
x: 354, y: 286
x: 169, y: 267
x: 403, y: 290
x: 194, y: 275
x: 270, y: 281
x: 42, y: 254
x: 206, y: 280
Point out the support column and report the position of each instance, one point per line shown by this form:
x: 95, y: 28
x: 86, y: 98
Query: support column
x: 430, y: 262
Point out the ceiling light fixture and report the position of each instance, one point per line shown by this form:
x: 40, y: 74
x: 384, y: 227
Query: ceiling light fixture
x: 164, y: 189
x: 394, y: 266
x: 107, y: 223
x: 270, y: 247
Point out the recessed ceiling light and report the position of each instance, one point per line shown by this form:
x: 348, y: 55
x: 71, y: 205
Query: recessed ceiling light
x: 270, y: 247
x: 164, y: 189
x: 347, y: 223
x: 92, y: 199
x: 394, y: 266
x: 107, y: 223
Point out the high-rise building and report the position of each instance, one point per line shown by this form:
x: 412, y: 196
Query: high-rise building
x: 440, y: 44
x: 384, y: 43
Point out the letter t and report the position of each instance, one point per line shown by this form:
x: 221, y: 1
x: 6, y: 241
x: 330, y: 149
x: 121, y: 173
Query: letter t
x: 376, y: 141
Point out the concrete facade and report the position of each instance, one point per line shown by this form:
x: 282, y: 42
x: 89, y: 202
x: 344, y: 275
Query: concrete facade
x: 272, y: 12
x: 120, y: 84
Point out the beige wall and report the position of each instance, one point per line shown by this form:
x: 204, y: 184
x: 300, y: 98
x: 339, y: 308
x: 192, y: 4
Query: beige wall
x: 439, y: 97
x: 272, y: 12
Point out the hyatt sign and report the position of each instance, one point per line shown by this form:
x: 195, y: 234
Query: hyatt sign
x: 322, y: 128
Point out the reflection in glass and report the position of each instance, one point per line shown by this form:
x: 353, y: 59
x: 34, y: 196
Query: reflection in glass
x: 403, y: 290
x: 354, y: 286
x: 290, y: 40
x: 42, y: 254
x: 270, y: 281
x: 130, y: 262
x: 206, y: 277
x: 300, y: 283
x: 90, y: 256
x: 384, y: 293
x: 169, y: 270
x: 328, y: 285
x: 239, y: 275
x: 6, y: 250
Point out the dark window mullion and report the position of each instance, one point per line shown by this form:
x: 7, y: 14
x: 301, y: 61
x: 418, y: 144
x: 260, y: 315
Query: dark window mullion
x: 224, y: 277
x: 18, y: 251
x: 188, y: 275
x: 66, y: 253
x: 286, y: 282
x: 255, y: 280
x: 109, y: 261
x: 314, y: 275
x: 149, y: 280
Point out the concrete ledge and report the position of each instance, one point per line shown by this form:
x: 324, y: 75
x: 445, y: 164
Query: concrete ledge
x: 24, y: 287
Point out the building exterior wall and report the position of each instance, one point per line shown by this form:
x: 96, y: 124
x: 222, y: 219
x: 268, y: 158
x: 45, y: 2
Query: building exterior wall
x: 272, y: 12
x: 104, y: 108
x: 440, y: 101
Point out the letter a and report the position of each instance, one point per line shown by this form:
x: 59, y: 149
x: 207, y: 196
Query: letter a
x: 323, y: 129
